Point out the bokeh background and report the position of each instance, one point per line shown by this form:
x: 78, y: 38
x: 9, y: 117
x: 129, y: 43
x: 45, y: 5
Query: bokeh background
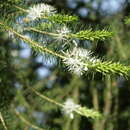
x: 20, y: 67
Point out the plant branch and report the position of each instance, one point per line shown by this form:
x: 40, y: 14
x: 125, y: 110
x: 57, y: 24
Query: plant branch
x: 2, y: 121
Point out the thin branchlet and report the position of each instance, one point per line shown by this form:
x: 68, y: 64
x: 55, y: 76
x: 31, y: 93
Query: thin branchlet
x: 92, y: 35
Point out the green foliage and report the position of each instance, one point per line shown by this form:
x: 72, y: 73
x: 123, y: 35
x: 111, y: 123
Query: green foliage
x: 89, y: 113
x: 59, y: 18
x: 102, y: 67
x: 44, y: 26
x: 127, y: 21
x: 112, y: 68
x: 79, y: 110
x: 92, y: 35
x: 5, y: 67
x: 6, y: 5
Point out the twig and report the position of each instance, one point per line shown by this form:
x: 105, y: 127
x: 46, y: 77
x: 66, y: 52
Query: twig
x: 27, y: 122
x: 2, y: 121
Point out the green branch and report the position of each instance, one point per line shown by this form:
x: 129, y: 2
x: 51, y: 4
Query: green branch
x: 27, y: 122
x: 92, y: 35
x: 2, y: 121
x: 83, y: 111
x: 99, y: 66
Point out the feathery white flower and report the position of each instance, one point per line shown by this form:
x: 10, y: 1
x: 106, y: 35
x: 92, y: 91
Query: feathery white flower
x: 38, y: 10
x: 69, y: 107
x: 62, y: 32
x: 78, y: 59
x: 74, y: 65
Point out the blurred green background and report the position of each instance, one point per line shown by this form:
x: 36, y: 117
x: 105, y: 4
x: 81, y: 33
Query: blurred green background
x: 21, y: 67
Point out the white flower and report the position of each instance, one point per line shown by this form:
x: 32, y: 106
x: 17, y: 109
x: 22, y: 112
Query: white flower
x: 69, y: 107
x: 38, y: 10
x: 75, y: 65
x: 10, y: 34
x: 14, y: 53
x: 62, y: 32
x: 78, y: 60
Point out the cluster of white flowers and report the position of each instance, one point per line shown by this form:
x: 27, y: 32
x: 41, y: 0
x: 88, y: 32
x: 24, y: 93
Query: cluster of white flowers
x: 69, y: 107
x: 78, y: 59
x: 38, y: 10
